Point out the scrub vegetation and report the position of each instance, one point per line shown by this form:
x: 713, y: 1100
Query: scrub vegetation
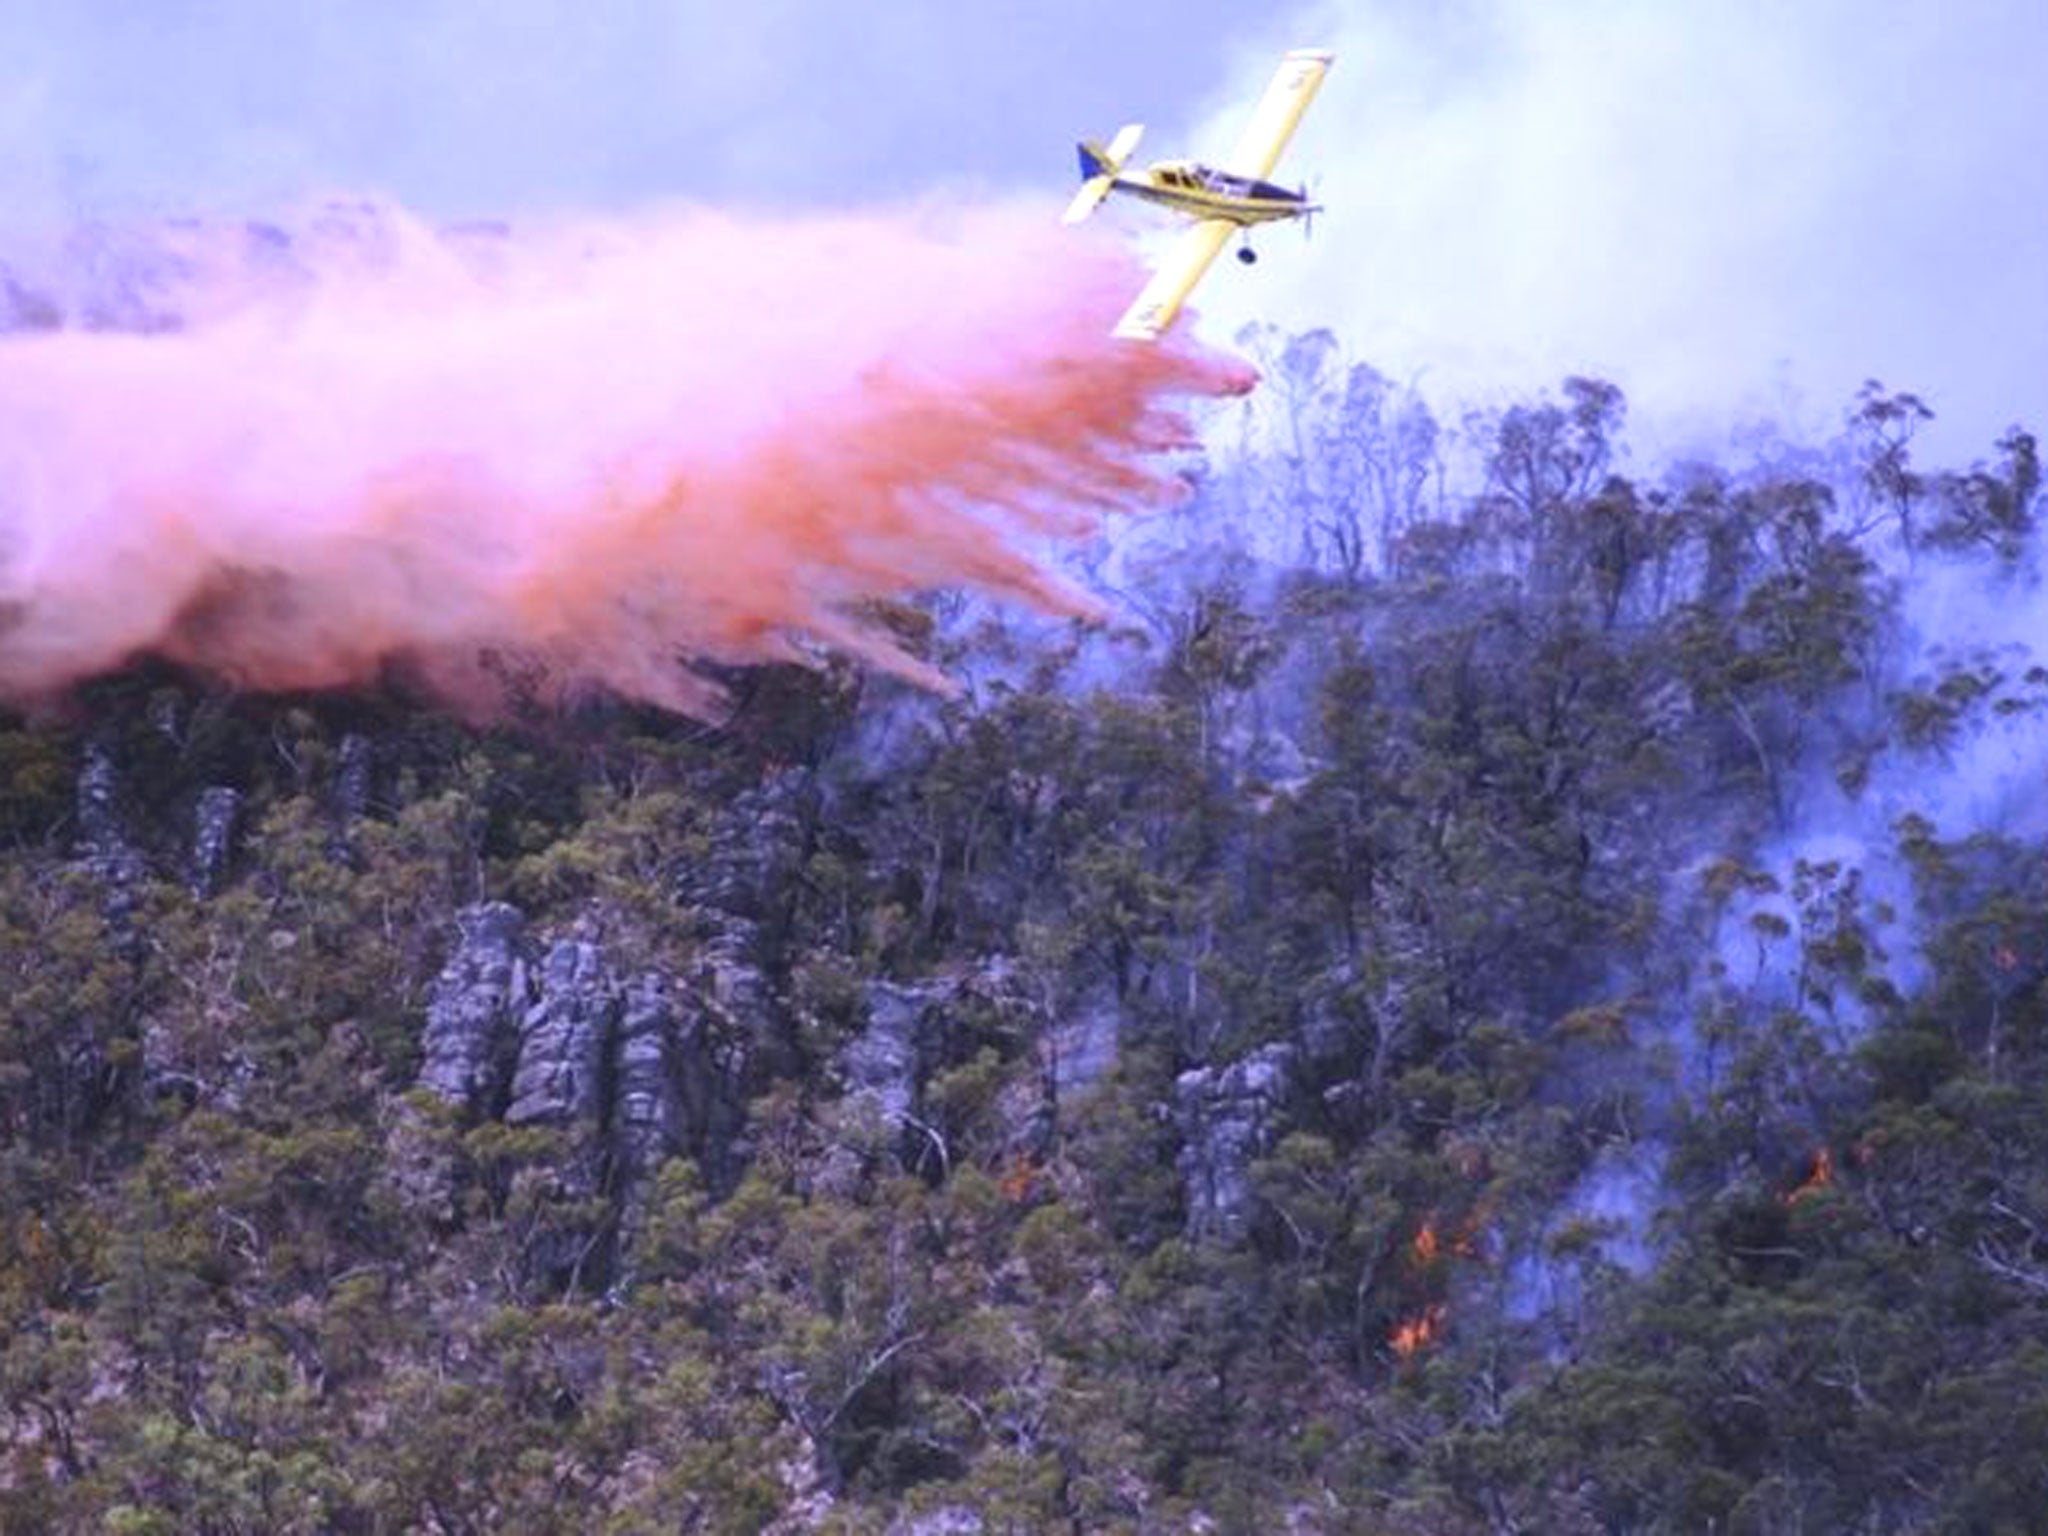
x: 1498, y: 995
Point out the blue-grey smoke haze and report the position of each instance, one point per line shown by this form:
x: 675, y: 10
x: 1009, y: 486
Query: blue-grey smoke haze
x: 1734, y: 210
x: 463, y: 108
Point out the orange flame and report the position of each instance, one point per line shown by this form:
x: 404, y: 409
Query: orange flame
x: 1818, y: 1177
x: 1427, y: 1246
x: 1019, y: 1180
x: 1419, y: 1330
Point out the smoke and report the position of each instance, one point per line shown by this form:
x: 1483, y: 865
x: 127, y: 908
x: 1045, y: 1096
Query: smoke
x: 1731, y: 210
x: 591, y: 453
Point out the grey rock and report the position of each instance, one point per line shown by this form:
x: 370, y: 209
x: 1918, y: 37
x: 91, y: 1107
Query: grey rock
x: 1228, y: 1117
x: 648, y: 1108
x: 1082, y: 1047
x: 563, y: 1040
x: 103, y: 844
x: 742, y: 888
x: 951, y: 1520
x: 756, y: 853
x: 719, y: 1052
x: 918, y: 1030
x: 354, y: 777
x: 213, y: 837
x: 469, y: 1039
x: 880, y: 1066
x: 564, y: 1079
x: 100, y: 825
x: 731, y: 1015
x: 632, y: 1070
x: 165, y: 712
x: 671, y: 1097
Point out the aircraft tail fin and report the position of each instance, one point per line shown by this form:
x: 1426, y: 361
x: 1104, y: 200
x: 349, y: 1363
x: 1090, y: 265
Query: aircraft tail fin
x: 1099, y: 169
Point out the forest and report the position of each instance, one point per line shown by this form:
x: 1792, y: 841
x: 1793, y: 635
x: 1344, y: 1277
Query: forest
x: 1502, y: 991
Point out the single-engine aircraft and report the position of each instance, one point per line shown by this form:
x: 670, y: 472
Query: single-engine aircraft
x: 1221, y: 202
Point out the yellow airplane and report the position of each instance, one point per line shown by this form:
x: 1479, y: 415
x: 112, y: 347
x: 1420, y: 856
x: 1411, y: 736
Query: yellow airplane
x: 1221, y: 202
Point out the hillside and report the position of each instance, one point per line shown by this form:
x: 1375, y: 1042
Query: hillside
x: 1495, y: 994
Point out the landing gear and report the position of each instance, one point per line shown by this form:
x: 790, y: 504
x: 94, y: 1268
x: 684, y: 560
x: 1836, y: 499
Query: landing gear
x: 1247, y: 255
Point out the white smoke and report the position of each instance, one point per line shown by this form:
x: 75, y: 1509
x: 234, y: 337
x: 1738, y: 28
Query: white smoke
x: 1738, y: 209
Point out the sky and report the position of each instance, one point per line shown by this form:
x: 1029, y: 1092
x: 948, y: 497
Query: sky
x: 471, y: 108
x: 1732, y: 209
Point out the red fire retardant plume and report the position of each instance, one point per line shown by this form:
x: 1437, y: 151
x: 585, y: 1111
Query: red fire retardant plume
x: 600, y: 450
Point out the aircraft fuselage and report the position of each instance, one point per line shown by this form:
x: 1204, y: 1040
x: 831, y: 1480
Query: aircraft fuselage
x: 1211, y: 194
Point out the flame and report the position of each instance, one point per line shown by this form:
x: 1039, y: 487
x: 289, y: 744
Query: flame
x: 1418, y: 1331
x: 1428, y: 1245
x: 1820, y: 1174
x: 1019, y: 1179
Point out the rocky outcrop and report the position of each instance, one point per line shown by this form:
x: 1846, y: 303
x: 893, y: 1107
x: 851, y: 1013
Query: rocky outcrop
x: 725, y: 1015
x: 881, y: 1071
x: 213, y: 836
x: 730, y: 1026
x: 563, y: 1081
x: 634, y: 1067
x: 1081, y: 1048
x: 354, y: 778
x: 103, y: 843
x: 915, y: 1031
x: 880, y: 1066
x: 99, y: 788
x: 949, y: 1520
x: 630, y: 1070
x: 657, y: 1083
x: 1229, y: 1117
x: 469, y: 1042
x: 756, y: 854
x: 102, y: 827
x: 744, y: 883
x: 84, y: 1076
x: 564, y: 1036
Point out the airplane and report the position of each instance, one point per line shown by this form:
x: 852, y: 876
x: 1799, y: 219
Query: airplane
x: 1221, y: 202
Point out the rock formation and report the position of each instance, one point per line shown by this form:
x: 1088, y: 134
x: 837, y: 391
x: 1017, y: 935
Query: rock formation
x: 1228, y: 1117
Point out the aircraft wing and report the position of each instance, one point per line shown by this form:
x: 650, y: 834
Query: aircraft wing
x: 1273, y: 119
x: 1154, y: 308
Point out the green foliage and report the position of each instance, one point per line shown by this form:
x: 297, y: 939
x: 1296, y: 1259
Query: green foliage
x: 1463, y: 825
x: 35, y: 784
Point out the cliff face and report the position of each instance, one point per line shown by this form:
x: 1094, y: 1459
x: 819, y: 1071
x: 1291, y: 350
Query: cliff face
x: 634, y: 1068
x: 551, y: 1026
x: 1229, y: 1117
x: 628, y: 1065
x: 469, y: 1038
x: 620, y: 1064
